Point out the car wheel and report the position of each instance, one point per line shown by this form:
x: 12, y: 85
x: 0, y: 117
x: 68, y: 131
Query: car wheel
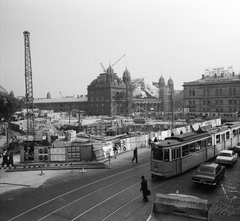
x: 223, y: 174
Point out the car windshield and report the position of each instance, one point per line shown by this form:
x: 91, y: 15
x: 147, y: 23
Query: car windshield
x: 225, y: 154
x: 205, y: 169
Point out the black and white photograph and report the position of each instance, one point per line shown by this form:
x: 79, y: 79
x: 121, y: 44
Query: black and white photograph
x: 119, y: 110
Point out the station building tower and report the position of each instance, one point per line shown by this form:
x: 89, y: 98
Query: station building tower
x: 107, y: 93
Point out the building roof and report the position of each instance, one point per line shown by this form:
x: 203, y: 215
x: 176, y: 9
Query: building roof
x: 217, y: 79
x: 60, y: 100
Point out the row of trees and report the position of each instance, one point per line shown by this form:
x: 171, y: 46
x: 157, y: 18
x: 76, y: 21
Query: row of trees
x: 8, y: 106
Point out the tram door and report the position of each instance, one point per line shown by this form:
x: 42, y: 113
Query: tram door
x: 176, y: 160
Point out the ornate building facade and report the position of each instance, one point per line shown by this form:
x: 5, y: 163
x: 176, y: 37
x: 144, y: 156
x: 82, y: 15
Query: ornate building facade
x: 111, y: 95
x: 216, y: 93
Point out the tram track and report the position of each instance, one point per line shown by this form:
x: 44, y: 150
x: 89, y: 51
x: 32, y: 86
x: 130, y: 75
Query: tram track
x: 62, y: 201
x: 130, y: 201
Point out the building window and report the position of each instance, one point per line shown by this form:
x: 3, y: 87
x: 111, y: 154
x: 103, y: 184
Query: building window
x: 220, y: 91
x: 204, y: 92
x: 216, y: 92
x: 193, y: 92
x: 208, y: 102
x: 208, y: 92
x: 230, y: 102
x: 221, y: 102
x: 234, y: 91
x: 204, y: 102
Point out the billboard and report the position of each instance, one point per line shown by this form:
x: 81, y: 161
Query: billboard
x: 219, y: 71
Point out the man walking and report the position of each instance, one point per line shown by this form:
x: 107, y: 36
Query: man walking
x: 135, y: 155
x: 115, y: 151
x: 144, y: 189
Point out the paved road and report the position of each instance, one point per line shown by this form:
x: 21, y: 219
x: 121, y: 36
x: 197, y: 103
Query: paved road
x: 113, y: 194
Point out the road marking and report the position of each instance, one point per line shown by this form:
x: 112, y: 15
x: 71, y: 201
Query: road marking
x: 105, y: 178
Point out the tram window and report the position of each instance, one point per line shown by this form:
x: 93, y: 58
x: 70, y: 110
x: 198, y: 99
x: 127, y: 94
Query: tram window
x: 218, y: 138
x: 227, y: 135
x: 209, y: 141
x: 192, y: 147
x: 185, y: 150
x: 173, y: 154
x: 166, y: 155
x: 204, y: 143
x: 157, y: 154
x: 198, y: 145
x: 223, y: 137
x: 234, y: 133
x: 178, y: 153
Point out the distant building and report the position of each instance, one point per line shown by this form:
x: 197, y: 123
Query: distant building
x: 111, y: 95
x: 217, y: 93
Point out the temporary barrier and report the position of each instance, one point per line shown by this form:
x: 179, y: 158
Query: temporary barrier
x: 179, y: 207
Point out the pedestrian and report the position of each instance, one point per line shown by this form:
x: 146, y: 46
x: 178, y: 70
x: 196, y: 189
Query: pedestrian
x: 144, y: 189
x: 149, y: 142
x: 5, y: 159
x: 10, y: 159
x: 135, y: 155
x: 155, y: 139
x: 115, y: 151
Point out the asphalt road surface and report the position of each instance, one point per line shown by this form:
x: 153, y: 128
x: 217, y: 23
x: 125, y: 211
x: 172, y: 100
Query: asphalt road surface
x: 114, y: 194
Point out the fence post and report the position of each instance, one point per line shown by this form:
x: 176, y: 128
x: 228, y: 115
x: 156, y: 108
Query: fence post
x: 41, y: 174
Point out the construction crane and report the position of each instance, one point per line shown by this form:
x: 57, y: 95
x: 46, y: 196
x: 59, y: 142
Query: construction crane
x: 105, y: 70
x: 60, y: 94
x: 118, y: 60
x: 29, y: 87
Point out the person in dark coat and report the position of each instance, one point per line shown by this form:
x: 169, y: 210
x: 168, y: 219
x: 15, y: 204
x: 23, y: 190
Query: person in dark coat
x: 144, y: 189
x: 10, y: 159
x: 115, y: 151
x: 155, y: 139
x: 135, y: 155
x: 5, y: 159
x: 149, y: 142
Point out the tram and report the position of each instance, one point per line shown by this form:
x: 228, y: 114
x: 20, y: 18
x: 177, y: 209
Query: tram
x: 179, y: 153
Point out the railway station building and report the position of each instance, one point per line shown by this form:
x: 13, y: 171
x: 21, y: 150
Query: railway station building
x: 111, y: 95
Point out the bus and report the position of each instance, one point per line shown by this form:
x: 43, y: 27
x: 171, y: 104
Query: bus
x: 179, y: 153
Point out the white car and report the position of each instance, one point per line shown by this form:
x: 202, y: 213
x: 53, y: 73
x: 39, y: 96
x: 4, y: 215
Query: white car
x: 227, y: 157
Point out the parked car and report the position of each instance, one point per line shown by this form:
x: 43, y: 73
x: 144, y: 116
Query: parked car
x: 209, y: 174
x: 237, y: 148
x: 227, y: 157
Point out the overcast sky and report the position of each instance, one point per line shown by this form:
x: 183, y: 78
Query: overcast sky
x: 70, y: 38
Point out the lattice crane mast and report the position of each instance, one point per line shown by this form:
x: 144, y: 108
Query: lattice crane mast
x: 29, y: 86
x: 118, y: 60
